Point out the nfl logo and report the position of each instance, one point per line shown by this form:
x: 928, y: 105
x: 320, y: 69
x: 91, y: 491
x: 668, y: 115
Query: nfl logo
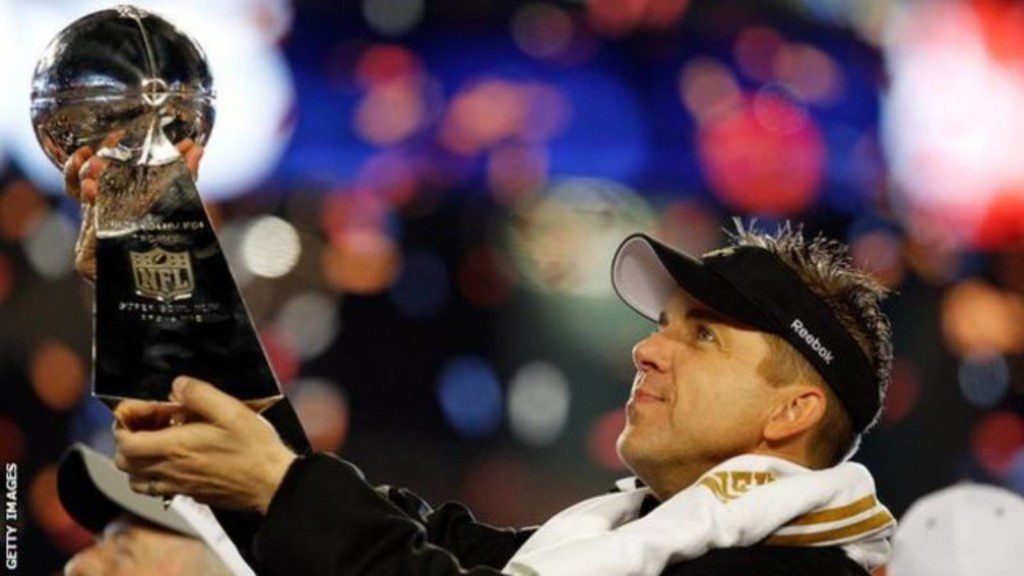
x: 162, y: 275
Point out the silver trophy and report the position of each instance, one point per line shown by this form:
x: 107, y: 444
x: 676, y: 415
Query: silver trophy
x: 130, y: 86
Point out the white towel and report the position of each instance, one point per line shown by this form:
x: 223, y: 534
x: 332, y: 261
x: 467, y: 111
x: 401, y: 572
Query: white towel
x: 741, y: 502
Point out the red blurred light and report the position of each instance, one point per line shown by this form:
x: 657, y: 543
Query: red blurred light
x: 485, y: 277
x: 390, y: 112
x: 324, y: 413
x: 384, y: 63
x: 496, y: 490
x: 12, y: 448
x: 542, y: 30
x: 996, y: 439
x: 283, y: 359
x: 769, y: 158
x: 361, y: 262
x: 514, y: 172
x: 390, y: 176
x: 664, y: 14
x: 903, y: 393
x: 881, y: 254
x: 809, y: 72
x: 755, y: 51
x: 1002, y: 223
x: 709, y: 90
x: 615, y: 17
x: 601, y: 440
x: 58, y: 376
x: 21, y: 208
x: 6, y: 277
x: 45, y: 507
x: 690, y: 226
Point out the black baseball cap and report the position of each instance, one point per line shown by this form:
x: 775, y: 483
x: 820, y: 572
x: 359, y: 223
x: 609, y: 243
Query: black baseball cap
x: 753, y: 286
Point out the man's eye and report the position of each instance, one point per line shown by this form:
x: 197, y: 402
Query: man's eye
x: 705, y: 334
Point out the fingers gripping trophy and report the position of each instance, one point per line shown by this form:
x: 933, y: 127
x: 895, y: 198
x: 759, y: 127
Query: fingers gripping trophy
x: 133, y: 92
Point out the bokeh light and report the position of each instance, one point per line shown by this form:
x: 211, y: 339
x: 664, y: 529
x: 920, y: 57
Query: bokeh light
x: 270, y: 247
x: 391, y: 112
x: 766, y: 158
x: 496, y: 488
x: 809, y: 72
x: 903, y: 392
x: 538, y: 403
x: 709, y: 89
x: 58, y: 375
x: 542, y: 30
x: 283, y: 358
x: 6, y: 277
x: 564, y: 241
x: 21, y: 209
x: 984, y: 380
x: 361, y: 262
x: 49, y: 246
x: 602, y: 437
x: 50, y: 515
x: 979, y: 319
x: 422, y: 287
x: 691, y: 226
x: 308, y: 322
x: 323, y: 410
x: 485, y: 276
x: 393, y: 17
x: 996, y: 439
x: 880, y: 252
x: 952, y: 151
x: 12, y: 449
x: 470, y: 396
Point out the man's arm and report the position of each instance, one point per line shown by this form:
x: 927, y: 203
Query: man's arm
x: 325, y: 520
x: 241, y: 526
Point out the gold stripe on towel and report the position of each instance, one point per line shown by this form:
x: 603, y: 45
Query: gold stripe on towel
x: 835, y: 514
x: 863, y: 527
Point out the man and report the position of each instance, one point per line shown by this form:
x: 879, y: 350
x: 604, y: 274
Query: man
x: 770, y: 360
x: 136, y: 535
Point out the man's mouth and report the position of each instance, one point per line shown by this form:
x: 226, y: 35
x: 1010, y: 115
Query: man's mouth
x: 641, y: 396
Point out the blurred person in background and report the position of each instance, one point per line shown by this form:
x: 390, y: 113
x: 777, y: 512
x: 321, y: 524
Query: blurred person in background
x: 769, y: 361
x: 135, y: 534
x: 963, y: 530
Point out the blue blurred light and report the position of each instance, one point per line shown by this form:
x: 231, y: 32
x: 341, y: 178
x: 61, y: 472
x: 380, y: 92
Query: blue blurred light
x: 90, y: 417
x: 422, y: 286
x: 984, y: 380
x: 470, y: 396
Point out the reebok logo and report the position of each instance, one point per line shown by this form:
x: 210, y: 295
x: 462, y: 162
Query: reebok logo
x: 812, y: 341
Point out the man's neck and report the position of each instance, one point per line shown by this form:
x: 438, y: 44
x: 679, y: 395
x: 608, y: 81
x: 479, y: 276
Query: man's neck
x: 667, y: 481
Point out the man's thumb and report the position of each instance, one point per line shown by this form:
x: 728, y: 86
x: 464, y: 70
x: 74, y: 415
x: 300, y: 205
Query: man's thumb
x: 205, y: 400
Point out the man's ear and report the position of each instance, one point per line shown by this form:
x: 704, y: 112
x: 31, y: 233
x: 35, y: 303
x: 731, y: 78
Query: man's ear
x: 799, y: 408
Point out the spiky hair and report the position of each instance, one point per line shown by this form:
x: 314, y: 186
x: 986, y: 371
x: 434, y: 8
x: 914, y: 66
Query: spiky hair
x: 853, y: 295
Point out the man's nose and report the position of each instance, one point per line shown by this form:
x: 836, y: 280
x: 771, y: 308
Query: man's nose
x: 651, y: 354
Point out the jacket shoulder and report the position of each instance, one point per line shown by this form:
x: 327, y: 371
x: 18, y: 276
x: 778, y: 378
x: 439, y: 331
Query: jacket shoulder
x: 769, y: 561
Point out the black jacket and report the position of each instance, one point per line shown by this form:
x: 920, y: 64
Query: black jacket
x: 326, y: 520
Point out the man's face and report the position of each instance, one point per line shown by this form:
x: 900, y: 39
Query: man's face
x: 698, y: 398
x: 129, y: 547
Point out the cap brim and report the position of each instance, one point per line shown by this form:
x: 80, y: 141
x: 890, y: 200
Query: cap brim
x: 645, y: 272
x: 94, y: 492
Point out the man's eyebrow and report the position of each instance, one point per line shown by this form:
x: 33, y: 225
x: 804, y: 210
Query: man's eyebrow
x: 708, y: 315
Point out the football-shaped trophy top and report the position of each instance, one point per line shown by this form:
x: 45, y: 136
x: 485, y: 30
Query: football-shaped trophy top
x: 123, y: 81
